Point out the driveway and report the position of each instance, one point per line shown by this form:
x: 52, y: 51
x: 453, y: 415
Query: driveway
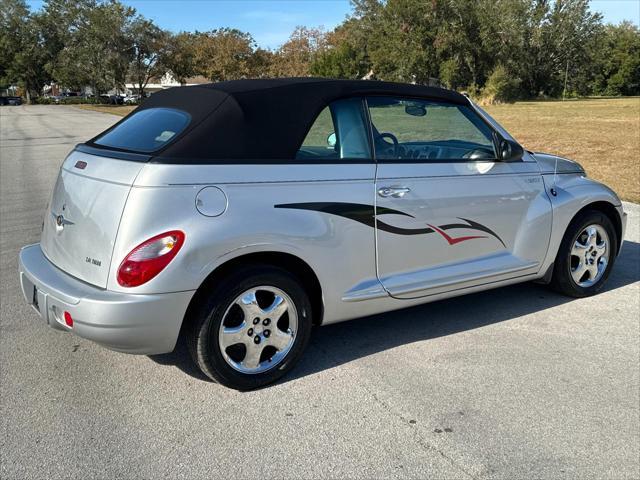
x: 518, y: 382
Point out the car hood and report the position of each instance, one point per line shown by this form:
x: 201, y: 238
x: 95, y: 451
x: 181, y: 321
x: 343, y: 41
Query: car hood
x: 553, y: 163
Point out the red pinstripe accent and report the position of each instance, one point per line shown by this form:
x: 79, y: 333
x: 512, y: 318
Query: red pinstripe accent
x: 453, y: 241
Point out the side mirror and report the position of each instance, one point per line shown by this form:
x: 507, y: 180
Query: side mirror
x: 415, y: 110
x: 510, y: 151
x: 331, y: 140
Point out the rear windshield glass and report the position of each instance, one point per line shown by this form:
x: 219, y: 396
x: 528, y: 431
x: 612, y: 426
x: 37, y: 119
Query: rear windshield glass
x: 147, y: 130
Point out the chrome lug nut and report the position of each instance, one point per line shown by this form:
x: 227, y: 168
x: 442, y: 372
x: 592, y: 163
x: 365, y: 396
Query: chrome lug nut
x: 266, y: 333
x: 266, y: 321
x: 256, y: 339
x: 256, y: 321
x: 250, y: 332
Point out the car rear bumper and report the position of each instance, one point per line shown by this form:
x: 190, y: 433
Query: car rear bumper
x: 142, y: 324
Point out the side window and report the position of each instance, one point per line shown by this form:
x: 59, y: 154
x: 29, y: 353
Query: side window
x: 338, y: 133
x: 422, y: 130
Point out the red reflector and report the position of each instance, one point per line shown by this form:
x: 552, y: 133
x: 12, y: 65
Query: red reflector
x: 67, y: 319
x: 81, y: 165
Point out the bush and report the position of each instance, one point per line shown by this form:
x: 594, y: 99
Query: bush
x: 501, y: 87
x: 73, y: 100
x: 76, y: 100
x: 450, y: 73
x: 69, y: 100
x: 472, y: 91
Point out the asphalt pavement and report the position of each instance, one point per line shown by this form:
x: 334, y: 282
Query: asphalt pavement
x: 517, y: 382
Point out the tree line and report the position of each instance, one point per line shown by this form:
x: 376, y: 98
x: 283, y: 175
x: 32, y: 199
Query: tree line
x: 499, y: 50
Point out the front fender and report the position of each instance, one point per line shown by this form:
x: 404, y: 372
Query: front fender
x: 574, y: 192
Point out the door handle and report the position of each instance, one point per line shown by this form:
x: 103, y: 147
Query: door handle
x: 395, y: 192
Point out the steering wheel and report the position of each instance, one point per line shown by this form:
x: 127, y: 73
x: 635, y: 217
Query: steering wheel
x: 394, y: 141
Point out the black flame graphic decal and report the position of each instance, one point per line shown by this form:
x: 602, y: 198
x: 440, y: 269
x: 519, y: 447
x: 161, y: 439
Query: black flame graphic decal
x: 365, y: 214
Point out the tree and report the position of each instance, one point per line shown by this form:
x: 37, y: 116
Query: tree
x: 617, y: 61
x: 261, y: 62
x: 148, y: 43
x: 401, y: 36
x: 22, y: 61
x: 521, y: 47
x: 556, y: 44
x: 97, y: 52
x: 294, y: 57
x: 58, y: 22
x: 345, y: 54
x: 223, y: 54
x: 179, y: 56
x: 501, y: 87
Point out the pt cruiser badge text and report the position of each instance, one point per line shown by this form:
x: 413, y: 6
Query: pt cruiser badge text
x: 93, y: 261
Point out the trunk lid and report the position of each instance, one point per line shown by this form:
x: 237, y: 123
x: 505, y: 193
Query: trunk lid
x: 83, y: 216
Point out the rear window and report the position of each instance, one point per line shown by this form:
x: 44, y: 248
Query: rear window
x: 147, y: 130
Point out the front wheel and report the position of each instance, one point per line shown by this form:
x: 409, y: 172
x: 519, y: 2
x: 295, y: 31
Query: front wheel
x: 586, y: 255
x: 252, y: 329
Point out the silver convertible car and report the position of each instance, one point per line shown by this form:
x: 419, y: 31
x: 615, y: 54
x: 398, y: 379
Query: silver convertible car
x: 238, y: 215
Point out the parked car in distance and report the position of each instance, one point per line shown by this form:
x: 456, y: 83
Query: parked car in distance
x: 6, y: 100
x: 112, y: 99
x: 237, y: 215
x: 134, y: 98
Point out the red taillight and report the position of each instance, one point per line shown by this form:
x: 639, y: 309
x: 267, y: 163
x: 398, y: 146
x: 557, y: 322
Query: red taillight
x: 149, y: 258
x: 68, y: 319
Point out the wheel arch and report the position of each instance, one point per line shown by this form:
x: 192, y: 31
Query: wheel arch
x: 287, y: 261
x: 565, y: 210
x: 608, y: 209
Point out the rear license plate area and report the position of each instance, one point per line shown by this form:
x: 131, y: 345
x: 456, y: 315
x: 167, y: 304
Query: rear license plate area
x: 35, y: 297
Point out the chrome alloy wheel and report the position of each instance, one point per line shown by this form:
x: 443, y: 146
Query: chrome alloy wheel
x: 258, y: 330
x: 590, y: 255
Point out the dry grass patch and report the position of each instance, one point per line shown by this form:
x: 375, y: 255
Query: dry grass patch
x: 121, y: 110
x: 603, y: 135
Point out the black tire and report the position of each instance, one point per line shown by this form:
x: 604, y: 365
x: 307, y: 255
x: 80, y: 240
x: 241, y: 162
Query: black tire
x: 202, y: 336
x: 562, y: 281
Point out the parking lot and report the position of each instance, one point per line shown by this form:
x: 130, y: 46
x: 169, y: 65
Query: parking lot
x: 517, y: 382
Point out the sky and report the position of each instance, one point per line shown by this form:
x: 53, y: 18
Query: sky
x: 270, y: 22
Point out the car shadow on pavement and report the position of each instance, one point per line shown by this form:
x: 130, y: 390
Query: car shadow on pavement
x: 340, y: 343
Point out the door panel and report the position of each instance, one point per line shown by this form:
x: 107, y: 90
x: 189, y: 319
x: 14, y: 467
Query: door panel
x: 458, y: 224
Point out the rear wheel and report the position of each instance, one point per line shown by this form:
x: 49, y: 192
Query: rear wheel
x: 252, y: 329
x: 586, y: 255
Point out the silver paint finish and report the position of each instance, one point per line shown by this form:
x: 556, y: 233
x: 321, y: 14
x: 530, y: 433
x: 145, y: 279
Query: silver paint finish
x: 553, y: 163
x: 340, y: 251
x: 574, y: 192
x: 508, y: 198
x: 141, y: 324
x: 88, y: 204
x: 114, y: 205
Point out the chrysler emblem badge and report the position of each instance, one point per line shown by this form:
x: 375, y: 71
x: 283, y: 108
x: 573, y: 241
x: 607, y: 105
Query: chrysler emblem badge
x: 61, y: 222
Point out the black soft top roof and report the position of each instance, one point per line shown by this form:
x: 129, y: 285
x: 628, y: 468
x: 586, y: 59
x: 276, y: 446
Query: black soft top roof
x: 263, y: 119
